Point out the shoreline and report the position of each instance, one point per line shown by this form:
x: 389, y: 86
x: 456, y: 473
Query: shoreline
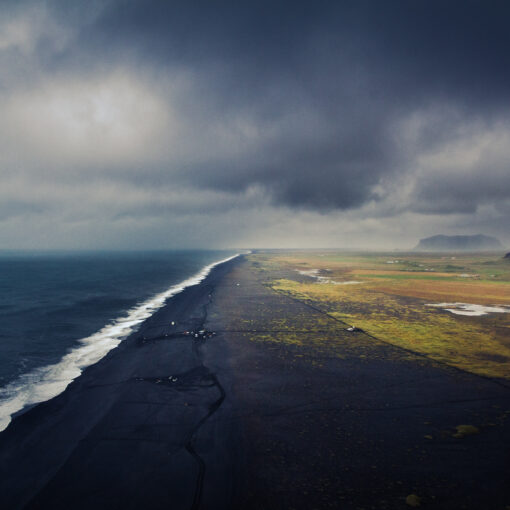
x: 57, y: 427
x: 89, y: 351
x: 281, y: 408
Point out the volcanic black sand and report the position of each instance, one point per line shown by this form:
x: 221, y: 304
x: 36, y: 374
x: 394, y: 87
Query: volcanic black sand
x: 247, y: 419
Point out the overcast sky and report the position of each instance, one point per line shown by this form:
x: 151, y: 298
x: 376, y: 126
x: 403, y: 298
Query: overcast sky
x: 162, y: 124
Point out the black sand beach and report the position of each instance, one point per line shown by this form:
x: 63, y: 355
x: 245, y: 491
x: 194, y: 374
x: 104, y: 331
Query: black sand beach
x: 240, y: 419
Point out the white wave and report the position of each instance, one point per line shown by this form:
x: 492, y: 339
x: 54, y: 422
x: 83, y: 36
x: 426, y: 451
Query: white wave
x: 470, y: 309
x: 47, y: 382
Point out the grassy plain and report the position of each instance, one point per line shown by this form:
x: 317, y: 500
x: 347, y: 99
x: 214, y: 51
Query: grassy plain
x: 387, y: 295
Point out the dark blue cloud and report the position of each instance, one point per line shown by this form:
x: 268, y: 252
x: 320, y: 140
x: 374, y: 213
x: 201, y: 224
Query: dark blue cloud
x: 337, y: 103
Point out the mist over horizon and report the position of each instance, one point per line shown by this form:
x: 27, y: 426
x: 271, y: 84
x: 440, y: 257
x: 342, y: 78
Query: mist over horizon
x: 129, y: 125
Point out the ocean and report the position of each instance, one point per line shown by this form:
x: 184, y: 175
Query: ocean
x: 61, y: 312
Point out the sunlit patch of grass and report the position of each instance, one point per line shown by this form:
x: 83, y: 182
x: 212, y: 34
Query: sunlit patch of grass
x: 465, y: 430
x: 487, y: 267
x: 480, y: 293
x: 392, y: 308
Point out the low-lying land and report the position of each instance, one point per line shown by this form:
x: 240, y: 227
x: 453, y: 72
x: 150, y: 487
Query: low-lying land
x: 275, y: 402
x: 332, y: 418
x: 451, y: 308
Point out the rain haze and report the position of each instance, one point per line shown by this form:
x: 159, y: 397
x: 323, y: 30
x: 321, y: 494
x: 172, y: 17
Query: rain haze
x: 363, y: 124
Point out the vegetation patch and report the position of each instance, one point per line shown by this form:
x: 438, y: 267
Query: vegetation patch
x: 465, y: 430
x: 394, y: 310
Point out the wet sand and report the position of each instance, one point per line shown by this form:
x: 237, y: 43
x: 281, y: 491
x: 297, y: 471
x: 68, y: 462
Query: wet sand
x: 243, y: 419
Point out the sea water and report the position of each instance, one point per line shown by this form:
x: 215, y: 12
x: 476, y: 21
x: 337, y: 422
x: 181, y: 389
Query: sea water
x: 61, y: 312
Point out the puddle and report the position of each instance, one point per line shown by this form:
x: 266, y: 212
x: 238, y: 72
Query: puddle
x: 314, y: 273
x: 470, y: 309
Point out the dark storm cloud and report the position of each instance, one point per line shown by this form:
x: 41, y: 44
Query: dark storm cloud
x: 397, y: 52
x: 350, y: 69
x: 385, y: 108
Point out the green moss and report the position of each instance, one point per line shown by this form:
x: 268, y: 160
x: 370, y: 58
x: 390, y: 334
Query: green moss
x: 413, y: 500
x: 466, y: 430
x: 475, y: 344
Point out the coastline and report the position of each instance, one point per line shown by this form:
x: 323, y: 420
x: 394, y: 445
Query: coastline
x: 37, y: 442
x: 46, y: 382
x: 281, y: 408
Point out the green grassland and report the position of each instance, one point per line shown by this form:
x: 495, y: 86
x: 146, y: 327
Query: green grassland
x: 390, y: 300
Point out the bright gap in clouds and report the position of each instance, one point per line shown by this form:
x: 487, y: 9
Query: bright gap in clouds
x: 87, y: 121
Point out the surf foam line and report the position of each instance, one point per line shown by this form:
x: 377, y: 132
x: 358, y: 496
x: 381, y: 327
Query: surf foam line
x: 46, y: 382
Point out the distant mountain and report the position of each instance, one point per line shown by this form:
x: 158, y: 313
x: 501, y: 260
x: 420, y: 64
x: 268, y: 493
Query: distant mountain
x: 478, y: 242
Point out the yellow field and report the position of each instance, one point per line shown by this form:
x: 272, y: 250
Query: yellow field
x: 391, y: 303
